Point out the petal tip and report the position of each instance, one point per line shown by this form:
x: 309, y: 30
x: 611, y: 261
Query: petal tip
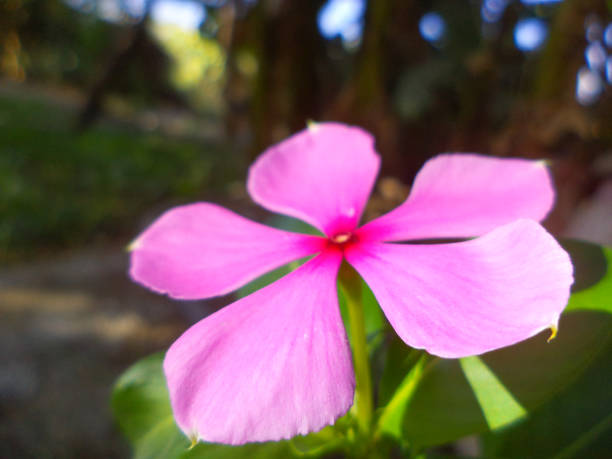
x: 312, y: 126
x: 135, y: 244
x: 553, y: 332
x: 545, y: 163
x: 193, y: 438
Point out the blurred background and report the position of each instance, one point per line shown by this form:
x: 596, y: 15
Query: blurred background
x: 113, y: 110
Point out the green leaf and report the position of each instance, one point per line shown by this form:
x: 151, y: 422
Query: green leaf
x: 270, y: 450
x: 141, y: 407
x: 398, y: 360
x: 444, y: 407
x: 392, y: 415
x: 498, y: 405
x: 593, y: 272
x: 325, y: 441
x: 577, y: 423
x: 164, y: 440
x: 140, y: 398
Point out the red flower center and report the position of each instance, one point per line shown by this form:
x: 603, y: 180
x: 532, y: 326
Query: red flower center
x: 343, y: 240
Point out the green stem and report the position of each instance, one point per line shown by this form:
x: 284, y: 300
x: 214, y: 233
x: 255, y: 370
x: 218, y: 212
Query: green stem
x: 350, y: 283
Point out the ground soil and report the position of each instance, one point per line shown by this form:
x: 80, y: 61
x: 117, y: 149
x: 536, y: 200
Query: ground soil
x: 69, y: 327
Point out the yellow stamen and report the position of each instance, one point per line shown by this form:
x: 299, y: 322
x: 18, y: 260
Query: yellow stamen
x: 341, y: 238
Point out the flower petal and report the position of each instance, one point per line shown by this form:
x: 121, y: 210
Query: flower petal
x: 322, y: 175
x: 465, y: 195
x: 471, y: 297
x: 270, y: 366
x: 203, y: 250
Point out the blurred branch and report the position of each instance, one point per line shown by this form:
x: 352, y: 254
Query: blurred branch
x: 137, y: 48
x: 567, y: 31
x: 286, y: 86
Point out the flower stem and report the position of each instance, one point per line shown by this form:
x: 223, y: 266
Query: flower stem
x: 350, y: 283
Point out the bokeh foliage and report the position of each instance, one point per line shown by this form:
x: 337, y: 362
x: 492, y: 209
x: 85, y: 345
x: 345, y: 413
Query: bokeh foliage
x: 95, y: 184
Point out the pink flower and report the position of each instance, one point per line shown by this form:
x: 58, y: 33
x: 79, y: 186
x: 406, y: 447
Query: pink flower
x: 277, y: 363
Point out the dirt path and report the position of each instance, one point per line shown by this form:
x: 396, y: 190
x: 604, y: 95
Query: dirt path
x: 68, y: 328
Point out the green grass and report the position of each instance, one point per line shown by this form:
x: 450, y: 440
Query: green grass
x: 60, y: 189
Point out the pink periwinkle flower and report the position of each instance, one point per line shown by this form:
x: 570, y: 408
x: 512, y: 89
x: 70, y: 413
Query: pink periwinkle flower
x: 277, y: 363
